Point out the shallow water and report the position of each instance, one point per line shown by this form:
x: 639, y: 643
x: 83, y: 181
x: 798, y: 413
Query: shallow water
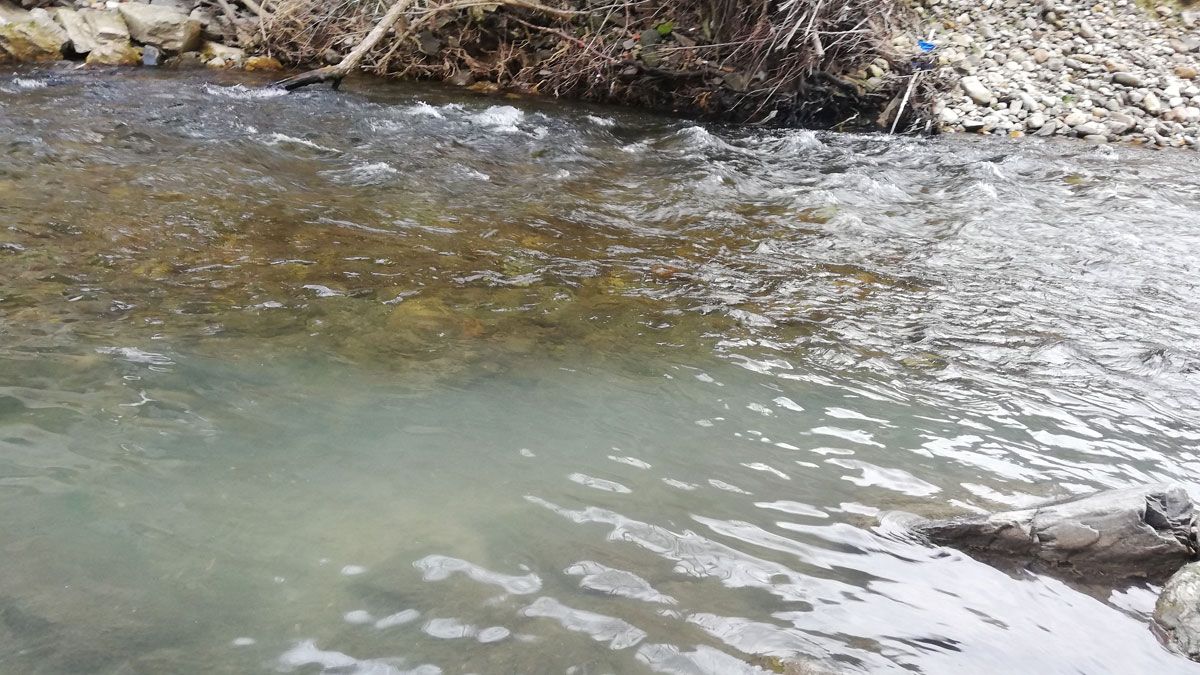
x: 397, y: 380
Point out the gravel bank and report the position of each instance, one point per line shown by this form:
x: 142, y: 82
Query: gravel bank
x: 1106, y: 71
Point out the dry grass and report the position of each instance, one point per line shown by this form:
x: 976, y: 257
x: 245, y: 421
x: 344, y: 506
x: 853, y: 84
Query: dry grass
x: 786, y: 62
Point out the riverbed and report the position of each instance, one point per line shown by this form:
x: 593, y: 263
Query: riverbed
x: 403, y: 380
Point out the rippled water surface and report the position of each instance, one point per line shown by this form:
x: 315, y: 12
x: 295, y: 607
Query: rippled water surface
x: 399, y: 380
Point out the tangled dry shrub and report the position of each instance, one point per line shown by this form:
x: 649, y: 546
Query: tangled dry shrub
x: 816, y: 63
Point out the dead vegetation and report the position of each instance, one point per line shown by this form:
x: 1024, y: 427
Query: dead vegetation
x: 820, y: 63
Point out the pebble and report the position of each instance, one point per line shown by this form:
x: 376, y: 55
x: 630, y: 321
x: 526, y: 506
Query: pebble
x: 973, y: 88
x: 1127, y: 79
x: 1075, y: 119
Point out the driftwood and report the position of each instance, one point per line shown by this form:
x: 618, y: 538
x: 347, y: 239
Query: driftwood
x: 349, y: 64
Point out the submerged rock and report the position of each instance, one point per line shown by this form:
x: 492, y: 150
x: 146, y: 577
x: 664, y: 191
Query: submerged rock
x: 1137, y: 532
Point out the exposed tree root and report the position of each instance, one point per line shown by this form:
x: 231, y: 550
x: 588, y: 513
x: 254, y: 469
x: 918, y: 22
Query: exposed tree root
x: 825, y: 63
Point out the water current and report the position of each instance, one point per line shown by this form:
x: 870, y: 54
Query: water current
x: 399, y: 379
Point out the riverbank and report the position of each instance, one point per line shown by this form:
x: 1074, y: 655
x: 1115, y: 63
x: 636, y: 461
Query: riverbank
x: 812, y: 63
x: 1115, y: 71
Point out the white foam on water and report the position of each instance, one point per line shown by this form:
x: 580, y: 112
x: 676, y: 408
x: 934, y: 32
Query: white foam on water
x: 243, y: 93
x: 322, y: 291
x: 135, y: 355
x: 728, y: 487
x: 284, y: 139
x: 499, y: 118
x: 30, y: 83
x: 897, y: 480
x: 358, y: 617
x: 440, y: 567
x: 423, y: 108
x: 598, y: 483
x: 631, y: 461
x: 398, y: 619
x: 307, y: 653
x: 478, y: 175
x: 370, y: 172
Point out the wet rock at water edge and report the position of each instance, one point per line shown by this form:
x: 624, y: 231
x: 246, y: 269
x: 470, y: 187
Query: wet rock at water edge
x: 151, y: 56
x: 1177, y: 613
x: 1144, y: 532
x: 230, y: 57
x: 30, y: 36
x: 115, y: 54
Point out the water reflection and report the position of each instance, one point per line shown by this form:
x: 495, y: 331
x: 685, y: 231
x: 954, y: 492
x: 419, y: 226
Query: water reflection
x: 395, y: 382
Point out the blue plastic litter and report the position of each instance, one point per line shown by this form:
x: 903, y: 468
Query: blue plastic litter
x: 926, y: 46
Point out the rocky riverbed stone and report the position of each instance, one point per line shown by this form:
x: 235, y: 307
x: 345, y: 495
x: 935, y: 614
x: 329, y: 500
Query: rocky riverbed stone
x: 114, y: 54
x: 82, y: 39
x: 164, y: 27
x: 975, y: 89
x: 30, y: 35
x: 93, y: 29
x: 230, y: 57
x: 1127, y: 79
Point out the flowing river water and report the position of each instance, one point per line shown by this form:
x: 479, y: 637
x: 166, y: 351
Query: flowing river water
x: 400, y: 380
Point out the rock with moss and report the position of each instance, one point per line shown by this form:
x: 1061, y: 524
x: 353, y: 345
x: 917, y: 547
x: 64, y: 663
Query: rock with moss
x: 114, y: 54
x: 1177, y: 613
x: 30, y: 36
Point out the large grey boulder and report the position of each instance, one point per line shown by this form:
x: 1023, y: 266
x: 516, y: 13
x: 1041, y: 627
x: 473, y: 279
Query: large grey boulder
x: 1178, y: 611
x: 30, y: 35
x: 93, y: 29
x: 164, y: 27
x: 82, y: 40
x: 1145, y: 532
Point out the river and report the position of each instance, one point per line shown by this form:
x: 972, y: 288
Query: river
x: 405, y: 380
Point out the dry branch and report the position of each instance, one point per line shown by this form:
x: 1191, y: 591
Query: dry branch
x: 335, y: 74
x: 787, y: 62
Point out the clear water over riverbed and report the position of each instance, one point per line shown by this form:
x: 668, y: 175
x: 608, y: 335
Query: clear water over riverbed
x: 401, y: 380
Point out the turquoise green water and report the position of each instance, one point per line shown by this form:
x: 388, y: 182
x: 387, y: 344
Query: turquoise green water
x: 394, y: 381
